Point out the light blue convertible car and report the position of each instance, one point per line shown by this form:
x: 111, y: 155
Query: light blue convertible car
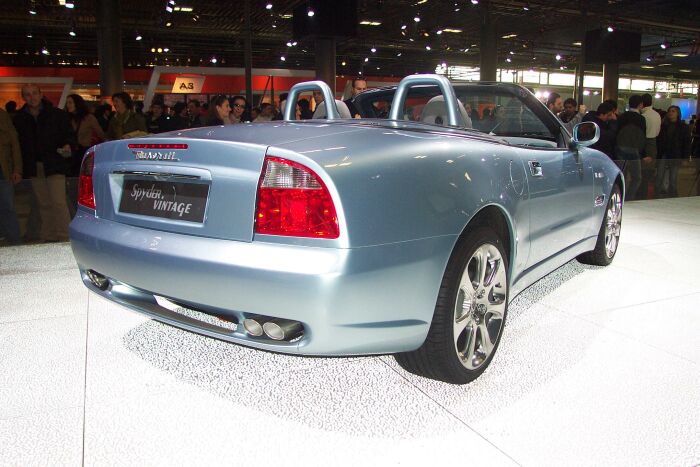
x: 406, y: 232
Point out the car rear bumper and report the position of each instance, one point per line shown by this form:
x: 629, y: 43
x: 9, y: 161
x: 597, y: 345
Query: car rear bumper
x: 370, y: 300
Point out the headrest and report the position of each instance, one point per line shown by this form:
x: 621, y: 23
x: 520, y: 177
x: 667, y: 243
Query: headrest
x: 343, y: 110
x: 435, y: 112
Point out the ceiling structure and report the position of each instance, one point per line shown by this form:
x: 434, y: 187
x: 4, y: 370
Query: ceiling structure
x: 531, y: 34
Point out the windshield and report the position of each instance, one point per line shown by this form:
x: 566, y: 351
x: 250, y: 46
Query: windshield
x: 491, y: 109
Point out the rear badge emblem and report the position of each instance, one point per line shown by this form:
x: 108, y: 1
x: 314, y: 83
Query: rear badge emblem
x: 155, y: 156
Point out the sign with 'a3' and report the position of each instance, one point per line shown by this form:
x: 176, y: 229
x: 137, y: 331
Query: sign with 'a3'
x: 188, y: 85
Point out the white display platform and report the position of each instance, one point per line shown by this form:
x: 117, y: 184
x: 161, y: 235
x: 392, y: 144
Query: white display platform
x: 598, y: 366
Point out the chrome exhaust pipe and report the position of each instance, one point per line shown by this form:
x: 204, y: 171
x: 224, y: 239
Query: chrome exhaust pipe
x: 97, y: 279
x: 254, y: 325
x: 283, y: 329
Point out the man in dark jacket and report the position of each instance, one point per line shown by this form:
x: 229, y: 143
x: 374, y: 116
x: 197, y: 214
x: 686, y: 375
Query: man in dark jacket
x: 602, y: 116
x: 45, y: 138
x: 630, y: 143
x: 673, y: 145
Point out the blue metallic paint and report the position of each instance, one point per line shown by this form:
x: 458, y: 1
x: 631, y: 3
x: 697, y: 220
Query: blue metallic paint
x: 404, y: 194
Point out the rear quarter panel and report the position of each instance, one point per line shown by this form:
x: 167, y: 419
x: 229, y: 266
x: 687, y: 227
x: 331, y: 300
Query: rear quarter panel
x: 399, y: 185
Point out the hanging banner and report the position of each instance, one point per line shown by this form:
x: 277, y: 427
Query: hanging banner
x: 188, y: 85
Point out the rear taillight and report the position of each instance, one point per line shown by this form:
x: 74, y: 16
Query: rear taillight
x: 86, y: 195
x: 294, y: 201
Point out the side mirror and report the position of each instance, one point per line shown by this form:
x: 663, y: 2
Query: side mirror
x: 585, y: 134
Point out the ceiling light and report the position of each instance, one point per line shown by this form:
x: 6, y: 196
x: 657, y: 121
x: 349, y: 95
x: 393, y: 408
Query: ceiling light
x: 168, y: 24
x: 663, y: 45
x: 268, y: 6
x: 403, y: 27
x: 168, y: 8
x: 647, y: 67
x: 310, y: 12
x: 558, y: 57
x: 577, y: 44
x: 509, y: 36
x: 427, y: 47
x: 44, y: 51
x: 214, y: 60
x: 439, y: 31
x: 684, y: 70
x: 184, y: 9
x: 370, y: 23
x: 657, y: 96
x: 586, y: 92
x: 610, y: 29
x: 456, y: 31
x: 29, y: 35
x: 475, y: 2
x: 399, y: 54
x: 166, y: 50
x: 508, y: 60
x: 343, y: 63
x: 160, y: 50
x: 32, y: 11
x: 511, y: 52
x: 71, y: 33
x: 680, y: 54
x: 70, y: 5
x: 373, y: 49
x: 138, y: 36
x: 366, y: 59
x: 289, y: 43
x: 283, y: 58
x: 416, y: 19
x: 664, y: 64
x: 153, y: 49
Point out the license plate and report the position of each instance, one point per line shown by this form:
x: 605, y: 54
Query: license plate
x: 169, y: 200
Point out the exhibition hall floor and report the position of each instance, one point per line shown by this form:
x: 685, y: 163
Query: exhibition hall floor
x: 597, y: 366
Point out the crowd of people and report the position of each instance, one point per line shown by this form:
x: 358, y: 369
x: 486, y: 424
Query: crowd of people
x: 44, y: 145
x: 648, y: 144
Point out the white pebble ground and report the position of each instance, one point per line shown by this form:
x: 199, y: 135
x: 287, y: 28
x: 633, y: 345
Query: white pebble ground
x: 597, y: 367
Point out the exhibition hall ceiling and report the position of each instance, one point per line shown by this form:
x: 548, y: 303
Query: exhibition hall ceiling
x: 395, y: 37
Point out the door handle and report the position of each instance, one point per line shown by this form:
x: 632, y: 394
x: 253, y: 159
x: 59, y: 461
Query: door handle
x: 535, y: 168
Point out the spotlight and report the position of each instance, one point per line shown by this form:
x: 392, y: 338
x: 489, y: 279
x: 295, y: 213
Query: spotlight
x: 475, y: 2
x: 403, y: 27
x: 70, y: 5
x: 417, y: 19
x: 44, y: 51
x: 213, y: 60
x: 283, y: 58
x: 664, y: 46
x: 343, y: 63
x: 366, y: 59
x: 268, y: 6
x: 71, y: 33
x: 508, y: 60
x: 373, y: 49
x: 427, y: 47
x: 558, y: 57
x: 610, y: 29
x: 138, y: 36
x: 310, y: 12
x: 32, y: 11
x: 166, y: 50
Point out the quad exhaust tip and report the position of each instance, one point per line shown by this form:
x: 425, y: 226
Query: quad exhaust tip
x: 274, y: 328
x: 97, y: 279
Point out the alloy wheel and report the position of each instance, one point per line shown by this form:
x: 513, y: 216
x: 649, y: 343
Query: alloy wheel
x: 480, y: 306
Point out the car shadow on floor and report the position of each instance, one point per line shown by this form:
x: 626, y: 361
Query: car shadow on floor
x: 358, y: 395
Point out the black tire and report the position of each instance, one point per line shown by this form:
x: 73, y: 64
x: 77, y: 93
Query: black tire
x: 601, y: 255
x: 438, y: 357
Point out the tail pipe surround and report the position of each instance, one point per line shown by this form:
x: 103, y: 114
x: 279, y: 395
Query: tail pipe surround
x: 277, y: 329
